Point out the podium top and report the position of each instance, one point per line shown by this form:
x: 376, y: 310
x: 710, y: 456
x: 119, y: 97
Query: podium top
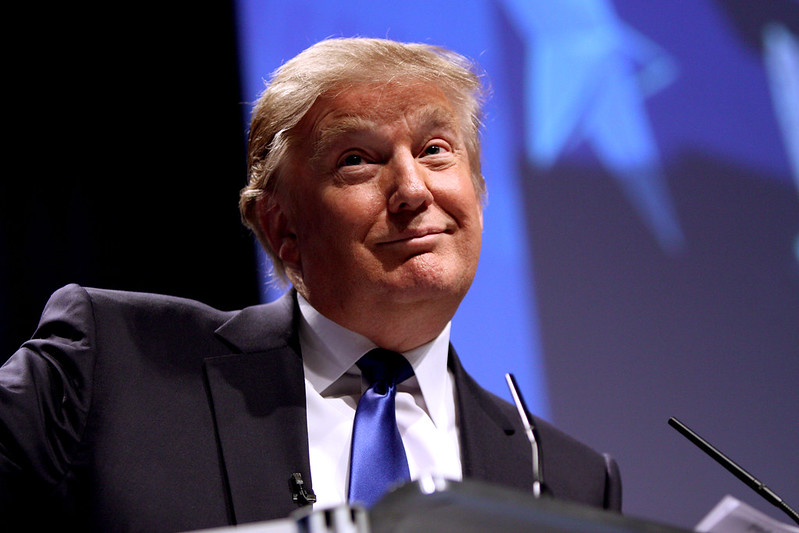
x: 456, y: 507
x: 475, y: 507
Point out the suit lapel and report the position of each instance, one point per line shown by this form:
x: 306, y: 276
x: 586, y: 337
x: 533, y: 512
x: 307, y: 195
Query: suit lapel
x: 494, y: 447
x: 258, y: 402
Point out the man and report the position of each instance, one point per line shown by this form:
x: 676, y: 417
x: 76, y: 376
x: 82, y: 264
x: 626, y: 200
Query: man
x: 146, y: 412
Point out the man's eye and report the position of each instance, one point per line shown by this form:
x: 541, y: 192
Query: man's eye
x: 352, y: 160
x: 433, y: 149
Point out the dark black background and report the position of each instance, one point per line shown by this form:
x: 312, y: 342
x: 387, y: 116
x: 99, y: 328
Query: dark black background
x: 125, y: 157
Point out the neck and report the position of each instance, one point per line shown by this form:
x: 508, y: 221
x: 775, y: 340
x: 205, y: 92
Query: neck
x: 392, y: 325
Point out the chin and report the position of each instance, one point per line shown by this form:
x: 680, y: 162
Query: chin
x: 426, y: 282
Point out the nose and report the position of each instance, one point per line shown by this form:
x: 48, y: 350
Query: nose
x: 409, y: 188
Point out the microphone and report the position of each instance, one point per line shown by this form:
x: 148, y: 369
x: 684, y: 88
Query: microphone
x: 529, y: 429
x: 299, y: 493
x: 736, y: 470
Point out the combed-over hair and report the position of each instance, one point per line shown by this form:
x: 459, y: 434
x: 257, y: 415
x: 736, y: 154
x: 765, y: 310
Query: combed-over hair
x: 337, y: 64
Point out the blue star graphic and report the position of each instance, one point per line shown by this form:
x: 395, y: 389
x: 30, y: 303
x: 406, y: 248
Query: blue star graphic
x: 587, y: 75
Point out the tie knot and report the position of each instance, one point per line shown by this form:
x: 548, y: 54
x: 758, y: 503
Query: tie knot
x: 384, y: 366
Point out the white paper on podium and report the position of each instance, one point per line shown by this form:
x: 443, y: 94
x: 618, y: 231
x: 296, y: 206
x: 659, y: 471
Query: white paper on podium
x: 731, y: 515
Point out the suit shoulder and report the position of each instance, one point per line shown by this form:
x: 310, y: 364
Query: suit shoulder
x: 546, y: 431
x: 150, y: 301
x: 110, y: 316
x: 564, y: 440
x: 573, y: 468
x: 74, y: 292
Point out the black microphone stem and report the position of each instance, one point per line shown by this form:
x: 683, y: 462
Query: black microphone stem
x: 736, y: 470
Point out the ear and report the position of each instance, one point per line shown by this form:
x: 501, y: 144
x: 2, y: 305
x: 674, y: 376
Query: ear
x: 278, y: 228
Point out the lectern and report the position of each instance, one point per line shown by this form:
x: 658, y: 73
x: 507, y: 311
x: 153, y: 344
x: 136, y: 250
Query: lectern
x: 433, y: 505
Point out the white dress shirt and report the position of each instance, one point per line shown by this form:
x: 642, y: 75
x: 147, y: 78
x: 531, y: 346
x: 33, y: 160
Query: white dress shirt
x: 425, y: 405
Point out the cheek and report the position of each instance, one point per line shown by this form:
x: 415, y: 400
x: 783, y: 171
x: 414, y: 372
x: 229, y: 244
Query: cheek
x: 340, y: 217
x: 354, y: 208
x: 461, y: 202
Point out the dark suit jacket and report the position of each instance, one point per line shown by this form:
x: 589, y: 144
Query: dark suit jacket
x: 143, y: 412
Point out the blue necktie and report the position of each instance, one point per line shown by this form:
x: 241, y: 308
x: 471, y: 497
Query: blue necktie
x: 377, y: 459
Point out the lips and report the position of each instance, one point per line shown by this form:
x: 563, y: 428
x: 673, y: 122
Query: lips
x: 414, y: 235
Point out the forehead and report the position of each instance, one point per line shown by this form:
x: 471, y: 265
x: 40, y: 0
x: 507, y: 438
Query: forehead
x: 370, y: 106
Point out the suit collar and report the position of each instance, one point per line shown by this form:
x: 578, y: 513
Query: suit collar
x: 261, y: 327
x: 474, y: 399
x: 493, y: 444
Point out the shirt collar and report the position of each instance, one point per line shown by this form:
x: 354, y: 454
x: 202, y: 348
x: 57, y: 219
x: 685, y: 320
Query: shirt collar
x: 329, y: 350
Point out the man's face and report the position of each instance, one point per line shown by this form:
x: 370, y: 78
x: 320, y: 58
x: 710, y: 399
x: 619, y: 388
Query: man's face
x: 379, y: 203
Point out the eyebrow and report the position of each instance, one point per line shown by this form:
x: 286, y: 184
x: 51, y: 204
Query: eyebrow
x: 431, y: 117
x: 345, y: 125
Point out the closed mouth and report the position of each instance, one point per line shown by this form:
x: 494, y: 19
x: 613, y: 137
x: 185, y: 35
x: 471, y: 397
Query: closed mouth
x: 407, y: 236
